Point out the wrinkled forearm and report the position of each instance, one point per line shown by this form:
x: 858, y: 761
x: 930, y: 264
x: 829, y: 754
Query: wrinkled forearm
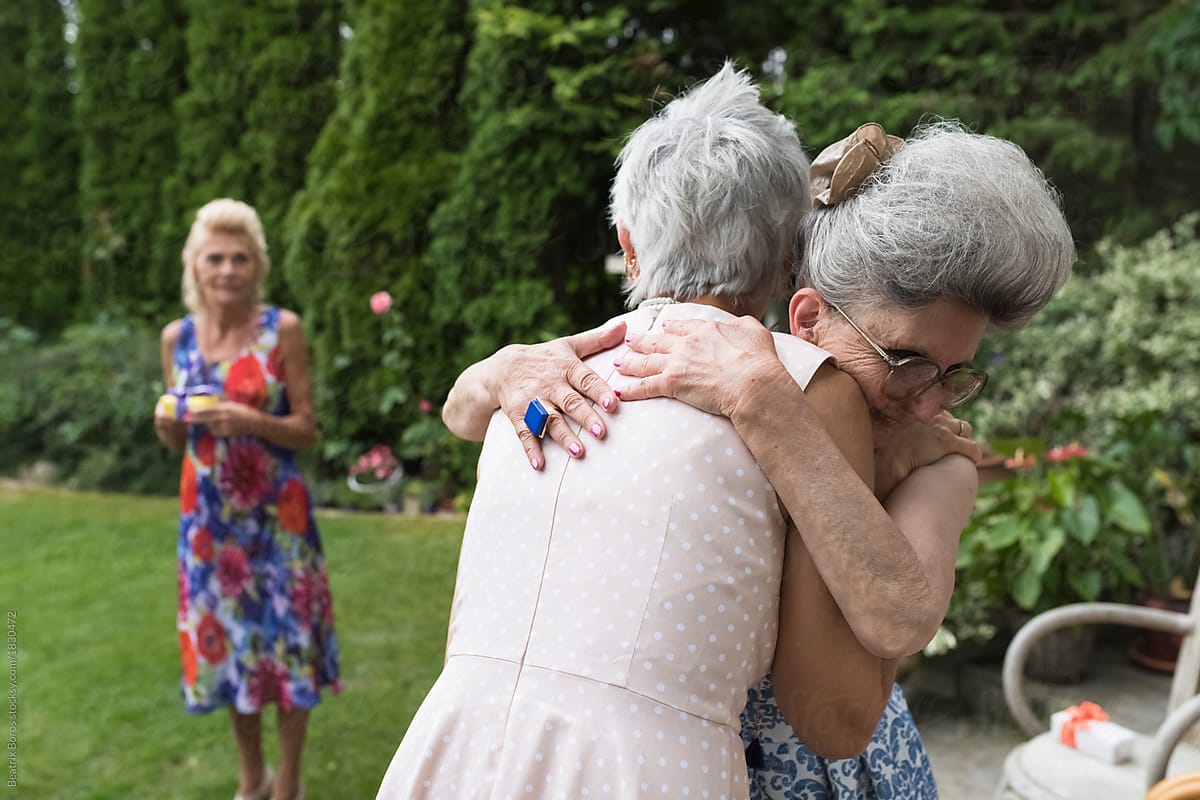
x: 472, y: 400
x: 174, y: 441
x: 295, y: 431
x: 871, y: 568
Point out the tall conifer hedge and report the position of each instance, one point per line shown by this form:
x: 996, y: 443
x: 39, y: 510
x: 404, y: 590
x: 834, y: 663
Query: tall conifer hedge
x: 129, y: 66
x: 48, y: 180
x: 382, y: 163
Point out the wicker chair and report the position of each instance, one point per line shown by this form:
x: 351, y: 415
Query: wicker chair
x: 1044, y: 769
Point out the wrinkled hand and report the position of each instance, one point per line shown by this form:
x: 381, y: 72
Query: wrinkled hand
x: 918, y: 445
x: 554, y: 371
x: 226, y: 418
x: 705, y: 364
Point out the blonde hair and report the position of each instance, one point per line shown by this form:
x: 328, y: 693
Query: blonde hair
x: 232, y: 217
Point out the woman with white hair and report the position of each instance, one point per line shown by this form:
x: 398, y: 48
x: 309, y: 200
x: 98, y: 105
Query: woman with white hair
x: 915, y: 249
x: 255, y: 616
x: 611, y: 614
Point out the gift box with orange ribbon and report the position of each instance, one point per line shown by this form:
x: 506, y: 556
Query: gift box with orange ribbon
x: 1086, y: 728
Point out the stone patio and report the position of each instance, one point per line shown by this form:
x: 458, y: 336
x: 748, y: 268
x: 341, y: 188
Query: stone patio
x: 964, y: 721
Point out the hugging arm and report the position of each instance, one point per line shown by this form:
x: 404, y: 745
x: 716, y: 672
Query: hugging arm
x: 830, y: 688
x: 553, y: 371
x: 888, y: 576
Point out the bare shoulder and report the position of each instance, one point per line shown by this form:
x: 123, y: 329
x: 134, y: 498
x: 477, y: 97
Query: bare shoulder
x: 954, y: 471
x: 290, y: 323
x: 170, y: 332
x: 832, y: 391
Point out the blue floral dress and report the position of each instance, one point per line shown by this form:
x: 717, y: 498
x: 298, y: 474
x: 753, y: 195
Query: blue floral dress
x: 894, y: 766
x: 255, y: 614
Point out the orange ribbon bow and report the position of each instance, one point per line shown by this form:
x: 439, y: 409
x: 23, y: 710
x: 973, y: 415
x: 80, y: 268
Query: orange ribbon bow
x: 1078, y: 718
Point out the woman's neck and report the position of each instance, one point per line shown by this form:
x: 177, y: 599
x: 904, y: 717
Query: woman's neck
x: 732, y: 305
x: 224, y: 319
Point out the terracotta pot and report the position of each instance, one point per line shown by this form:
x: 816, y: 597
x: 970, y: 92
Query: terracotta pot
x: 1158, y: 650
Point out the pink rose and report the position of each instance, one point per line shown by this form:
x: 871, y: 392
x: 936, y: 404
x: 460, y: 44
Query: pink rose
x: 381, y: 302
x: 425, y: 406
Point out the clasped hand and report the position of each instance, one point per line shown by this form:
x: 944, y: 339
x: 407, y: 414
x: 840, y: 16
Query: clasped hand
x: 226, y: 418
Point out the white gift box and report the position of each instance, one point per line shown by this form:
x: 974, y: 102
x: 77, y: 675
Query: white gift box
x: 1100, y: 739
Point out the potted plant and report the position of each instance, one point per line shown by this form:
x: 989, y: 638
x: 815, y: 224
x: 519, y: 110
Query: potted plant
x: 1157, y: 447
x: 1063, y: 527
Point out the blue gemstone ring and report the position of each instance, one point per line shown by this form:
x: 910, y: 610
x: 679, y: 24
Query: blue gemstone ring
x: 536, y: 417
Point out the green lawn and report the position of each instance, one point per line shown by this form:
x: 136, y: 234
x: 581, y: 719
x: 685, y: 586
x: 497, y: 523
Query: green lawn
x: 92, y: 581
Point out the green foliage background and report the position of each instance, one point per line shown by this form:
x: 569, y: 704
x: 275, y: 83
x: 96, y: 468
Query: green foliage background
x: 457, y: 153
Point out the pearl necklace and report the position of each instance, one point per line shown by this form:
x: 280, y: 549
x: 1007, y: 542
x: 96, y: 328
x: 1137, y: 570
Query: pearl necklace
x: 657, y: 303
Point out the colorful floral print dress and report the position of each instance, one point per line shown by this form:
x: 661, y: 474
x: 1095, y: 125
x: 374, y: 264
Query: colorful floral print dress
x: 894, y: 766
x: 255, y: 614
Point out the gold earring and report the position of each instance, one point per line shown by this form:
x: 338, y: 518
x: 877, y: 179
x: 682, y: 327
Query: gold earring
x: 631, y: 267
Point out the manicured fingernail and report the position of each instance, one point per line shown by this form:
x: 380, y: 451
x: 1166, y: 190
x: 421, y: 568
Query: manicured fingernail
x: 628, y: 339
x: 536, y: 463
x: 596, y: 431
x: 575, y: 448
x: 606, y: 402
x: 617, y: 392
x: 616, y: 362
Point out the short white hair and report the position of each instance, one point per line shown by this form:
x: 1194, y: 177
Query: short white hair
x: 952, y: 214
x: 711, y: 190
x: 224, y: 216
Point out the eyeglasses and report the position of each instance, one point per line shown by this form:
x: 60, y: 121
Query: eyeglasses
x: 914, y: 375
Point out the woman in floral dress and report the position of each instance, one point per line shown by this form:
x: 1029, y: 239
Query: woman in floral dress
x: 255, y: 616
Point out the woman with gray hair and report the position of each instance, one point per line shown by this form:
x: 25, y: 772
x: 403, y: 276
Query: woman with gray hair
x: 914, y: 250
x: 611, y: 614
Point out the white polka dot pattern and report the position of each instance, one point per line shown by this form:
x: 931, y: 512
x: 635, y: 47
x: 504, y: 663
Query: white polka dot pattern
x: 610, y: 612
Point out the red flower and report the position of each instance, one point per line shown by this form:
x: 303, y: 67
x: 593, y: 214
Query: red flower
x: 189, y: 658
x: 187, y: 487
x: 293, y: 507
x: 275, y: 363
x: 233, y: 571
x: 425, y: 406
x: 182, y: 582
x: 245, y: 382
x: 1066, y: 453
x: 206, y: 450
x: 202, y: 544
x: 210, y: 635
x: 244, y: 475
x: 1019, y: 461
x: 269, y: 682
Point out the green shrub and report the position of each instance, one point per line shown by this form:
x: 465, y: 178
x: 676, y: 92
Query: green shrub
x: 1111, y: 362
x: 1116, y: 343
x: 84, y: 404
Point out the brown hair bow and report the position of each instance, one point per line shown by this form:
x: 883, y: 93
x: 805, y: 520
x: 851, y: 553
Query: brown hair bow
x: 840, y: 169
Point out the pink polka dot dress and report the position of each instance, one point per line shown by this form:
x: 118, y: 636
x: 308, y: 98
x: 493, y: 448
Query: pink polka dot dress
x: 610, y: 613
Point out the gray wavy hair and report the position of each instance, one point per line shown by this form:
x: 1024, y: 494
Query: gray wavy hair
x: 952, y: 214
x: 711, y: 190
